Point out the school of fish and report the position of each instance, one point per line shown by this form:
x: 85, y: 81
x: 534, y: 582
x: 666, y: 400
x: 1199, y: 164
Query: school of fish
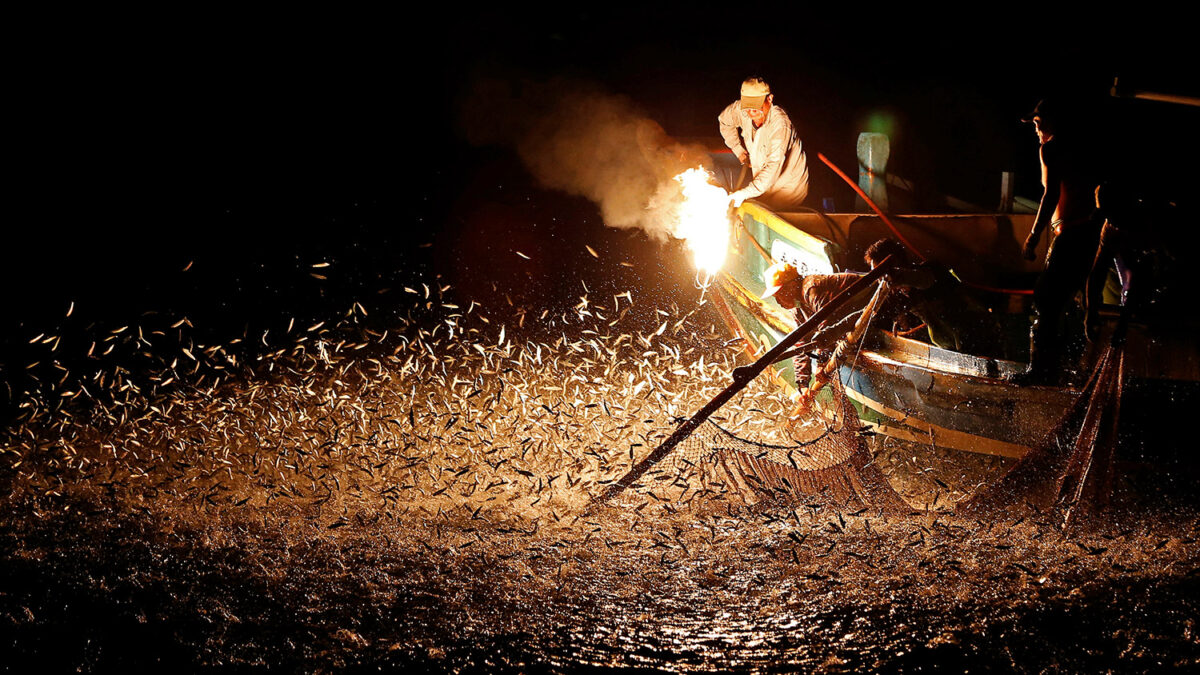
x: 345, y: 494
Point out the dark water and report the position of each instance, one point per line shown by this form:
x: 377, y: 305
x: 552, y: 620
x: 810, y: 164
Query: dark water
x: 99, y: 592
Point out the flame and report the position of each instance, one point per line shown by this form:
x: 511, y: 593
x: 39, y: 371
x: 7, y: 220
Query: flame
x: 703, y: 219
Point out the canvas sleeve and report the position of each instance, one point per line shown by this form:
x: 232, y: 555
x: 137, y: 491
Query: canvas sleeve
x: 729, y: 122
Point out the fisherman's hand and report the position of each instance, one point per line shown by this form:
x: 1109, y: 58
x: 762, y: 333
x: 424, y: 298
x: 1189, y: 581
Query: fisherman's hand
x: 736, y: 199
x: 1091, y: 325
x: 1029, y: 251
x: 744, y: 158
x: 743, y: 374
x: 803, y: 404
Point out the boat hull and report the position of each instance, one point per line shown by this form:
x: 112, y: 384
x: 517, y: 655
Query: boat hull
x: 913, y: 390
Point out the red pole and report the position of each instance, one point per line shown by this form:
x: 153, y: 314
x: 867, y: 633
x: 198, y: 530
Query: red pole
x: 907, y: 244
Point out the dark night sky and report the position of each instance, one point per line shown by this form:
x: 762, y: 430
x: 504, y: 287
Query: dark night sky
x: 256, y: 143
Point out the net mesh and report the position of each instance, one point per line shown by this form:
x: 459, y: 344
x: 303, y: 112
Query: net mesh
x: 827, y: 461
x: 1070, y: 471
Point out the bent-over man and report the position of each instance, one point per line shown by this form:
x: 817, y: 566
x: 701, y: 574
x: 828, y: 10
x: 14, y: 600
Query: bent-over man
x: 761, y: 136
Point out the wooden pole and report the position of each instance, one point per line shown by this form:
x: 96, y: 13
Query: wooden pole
x: 743, y: 377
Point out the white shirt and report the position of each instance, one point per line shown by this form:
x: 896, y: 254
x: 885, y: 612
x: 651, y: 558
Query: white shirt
x: 776, y: 155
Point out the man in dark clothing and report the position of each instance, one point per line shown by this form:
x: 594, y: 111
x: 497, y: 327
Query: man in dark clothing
x: 1129, y: 241
x: 1067, y: 208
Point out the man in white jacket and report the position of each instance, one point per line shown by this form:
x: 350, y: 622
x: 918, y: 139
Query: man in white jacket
x: 761, y: 134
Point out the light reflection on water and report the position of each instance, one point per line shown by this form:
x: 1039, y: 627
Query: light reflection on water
x: 859, y: 599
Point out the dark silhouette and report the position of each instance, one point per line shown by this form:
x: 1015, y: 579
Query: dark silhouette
x: 1067, y: 209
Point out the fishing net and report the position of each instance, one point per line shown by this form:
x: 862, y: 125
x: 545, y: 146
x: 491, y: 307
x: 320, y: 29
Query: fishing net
x: 1070, y: 471
x: 827, y: 461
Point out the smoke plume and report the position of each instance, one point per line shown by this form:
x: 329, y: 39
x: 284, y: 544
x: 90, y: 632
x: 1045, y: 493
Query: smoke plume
x: 579, y: 139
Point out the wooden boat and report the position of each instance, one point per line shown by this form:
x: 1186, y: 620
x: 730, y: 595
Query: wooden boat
x: 908, y: 388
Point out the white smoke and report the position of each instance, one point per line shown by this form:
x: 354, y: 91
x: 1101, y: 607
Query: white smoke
x: 579, y: 139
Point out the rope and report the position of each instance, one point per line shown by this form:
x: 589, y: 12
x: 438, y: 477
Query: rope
x: 828, y: 369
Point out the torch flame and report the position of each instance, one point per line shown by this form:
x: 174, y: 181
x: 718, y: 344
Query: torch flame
x: 703, y: 220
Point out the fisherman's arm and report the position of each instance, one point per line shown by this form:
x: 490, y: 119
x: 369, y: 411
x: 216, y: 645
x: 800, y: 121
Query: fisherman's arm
x: 729, y: 121
x: 1049, y: 203
x: 771, y: 167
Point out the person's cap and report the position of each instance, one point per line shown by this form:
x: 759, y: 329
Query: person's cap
x: 1042, y: 109
x: 754, y: 92
x: 777, y: 276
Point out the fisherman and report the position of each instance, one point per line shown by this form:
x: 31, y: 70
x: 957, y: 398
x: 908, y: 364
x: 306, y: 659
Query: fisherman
x: 1067, y: 208
x: 1129, y: 242
x: 762, y: 137
x: 804, y: 295
x: 929, y: 294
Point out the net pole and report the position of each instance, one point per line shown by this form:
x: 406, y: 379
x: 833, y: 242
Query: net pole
x: 748, y: 374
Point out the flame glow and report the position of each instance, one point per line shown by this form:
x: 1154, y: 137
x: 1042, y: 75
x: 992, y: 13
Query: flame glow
x: 703, y: 220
